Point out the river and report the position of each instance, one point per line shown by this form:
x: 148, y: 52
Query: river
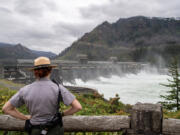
x: 132, y: 88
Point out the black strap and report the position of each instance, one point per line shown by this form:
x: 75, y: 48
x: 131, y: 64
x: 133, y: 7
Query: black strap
x: 60, y: 98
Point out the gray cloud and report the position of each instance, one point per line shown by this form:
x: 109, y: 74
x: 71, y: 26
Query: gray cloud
x: 42, y: 24
x: 30, y: 7
x: 5, y: 10
x: 63, y: 35
x: 34, y: 8
x: 37, y: 34
x: 51, y: 5
x: 116, y: 9
x: 72, y: 29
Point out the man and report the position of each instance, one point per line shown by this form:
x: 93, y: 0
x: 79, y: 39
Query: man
x: 41, y: 98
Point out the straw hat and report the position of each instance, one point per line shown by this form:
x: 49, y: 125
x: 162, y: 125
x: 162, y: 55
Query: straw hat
x: 42, y: 62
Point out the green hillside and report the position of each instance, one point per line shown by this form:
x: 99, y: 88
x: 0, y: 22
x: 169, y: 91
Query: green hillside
x: 132, y: 39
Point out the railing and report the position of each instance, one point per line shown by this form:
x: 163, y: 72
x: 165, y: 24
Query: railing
x: 145, y: 119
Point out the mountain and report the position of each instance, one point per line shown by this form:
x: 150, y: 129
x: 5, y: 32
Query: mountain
x: 4, y: 44
x: 18, y: 51
x: 42, y: 53
x: 129, y: 39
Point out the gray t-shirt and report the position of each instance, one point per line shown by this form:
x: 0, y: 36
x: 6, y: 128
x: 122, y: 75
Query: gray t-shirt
x: 40, y: 98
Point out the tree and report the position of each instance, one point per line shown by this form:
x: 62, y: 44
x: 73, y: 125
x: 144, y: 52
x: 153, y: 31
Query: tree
x: 172, y: 99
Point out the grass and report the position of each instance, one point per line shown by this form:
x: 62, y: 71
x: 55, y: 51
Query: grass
x: 7, y: 82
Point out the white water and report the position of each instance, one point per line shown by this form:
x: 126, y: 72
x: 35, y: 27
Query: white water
x: 132, y: 88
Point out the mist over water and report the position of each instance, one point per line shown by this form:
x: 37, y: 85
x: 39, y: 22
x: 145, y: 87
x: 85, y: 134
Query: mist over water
x: 132, y: 88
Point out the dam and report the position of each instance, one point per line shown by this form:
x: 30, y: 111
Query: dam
x: 67, y: 70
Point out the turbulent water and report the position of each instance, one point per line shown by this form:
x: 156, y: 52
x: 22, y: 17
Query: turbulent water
x: 132, y: 88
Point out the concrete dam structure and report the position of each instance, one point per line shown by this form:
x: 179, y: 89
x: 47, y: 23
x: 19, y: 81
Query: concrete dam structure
x: 70, y: 70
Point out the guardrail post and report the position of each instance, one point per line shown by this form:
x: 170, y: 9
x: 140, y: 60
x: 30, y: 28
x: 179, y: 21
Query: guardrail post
x: 146, y: 119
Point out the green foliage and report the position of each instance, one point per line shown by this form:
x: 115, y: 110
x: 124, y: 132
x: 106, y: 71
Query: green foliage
x: 171, y: 114
x: 5, y: 94
x: 95, y: 104
x: 10, y: 84
x: 173, y: 97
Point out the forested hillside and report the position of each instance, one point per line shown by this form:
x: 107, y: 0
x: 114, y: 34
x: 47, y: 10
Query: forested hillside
x: 132, y: 39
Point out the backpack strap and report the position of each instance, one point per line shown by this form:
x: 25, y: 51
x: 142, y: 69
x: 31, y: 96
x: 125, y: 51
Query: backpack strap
x: 60, y: 98
x: 57, y: 119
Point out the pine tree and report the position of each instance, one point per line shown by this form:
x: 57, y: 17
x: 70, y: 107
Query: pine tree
x: 172, y: 99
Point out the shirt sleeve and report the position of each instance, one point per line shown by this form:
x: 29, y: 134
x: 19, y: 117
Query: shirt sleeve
x: 67, y: 96
x: 17, y: 99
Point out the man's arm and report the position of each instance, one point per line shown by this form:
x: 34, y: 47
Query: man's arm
x: 9, y: 109
x: 75, y: 107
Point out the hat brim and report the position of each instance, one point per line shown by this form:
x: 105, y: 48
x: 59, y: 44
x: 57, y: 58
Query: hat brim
x: 42, y: 66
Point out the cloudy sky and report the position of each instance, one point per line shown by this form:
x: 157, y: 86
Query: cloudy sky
x: 53, y: 25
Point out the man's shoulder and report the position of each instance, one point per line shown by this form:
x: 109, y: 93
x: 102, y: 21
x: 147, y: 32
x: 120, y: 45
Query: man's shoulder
x: 27, y: 86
